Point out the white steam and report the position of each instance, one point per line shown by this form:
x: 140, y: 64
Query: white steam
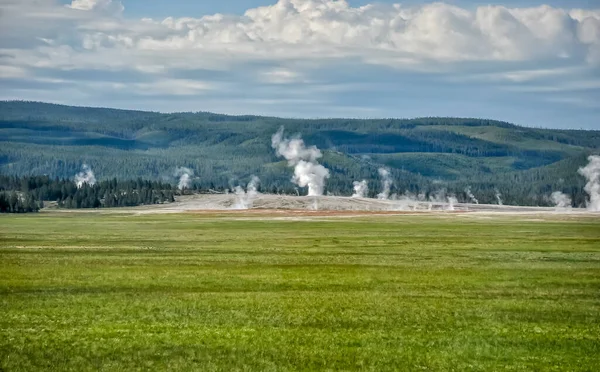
x: 245, y: 199
x: 440, y: 197
x: 451, y: 202
x: 561, y: 200
x: 470, y: 195
x: 307, y: 171
x: 315, y: 205
x: 86, y: 176
x: 499, y: 198
x: 408, y: 201
x: 592, y: 174
x: 185, y: 177
x: 386, y: 181
x: 361, y: 189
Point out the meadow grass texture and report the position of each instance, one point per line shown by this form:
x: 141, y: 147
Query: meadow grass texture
x: 85, y: 291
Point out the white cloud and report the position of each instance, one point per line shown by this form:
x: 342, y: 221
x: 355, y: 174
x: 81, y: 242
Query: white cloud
x: 111, y: 6
x: 325, y: 28
x: 294, y: 41
x: 176, y: 87
x: 530, y: 75
x: 281, y: 76
x: 12, y: 72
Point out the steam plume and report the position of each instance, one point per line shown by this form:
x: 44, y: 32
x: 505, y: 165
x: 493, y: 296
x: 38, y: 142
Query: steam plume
x: 307, y: 171
x: 409, y: 201
x: 315, y: 205
x: 451, y: 202
x: 560, y: 200
x: 592, y: 173
x: 442, y: 199
x: 438, y: 197
x: 361, y: 189
x: 245, y: 199
x: 470, y: 195
x: 185, y: 177
x: 499, y: 198
x: 386, y: 180
x: 86, y: 176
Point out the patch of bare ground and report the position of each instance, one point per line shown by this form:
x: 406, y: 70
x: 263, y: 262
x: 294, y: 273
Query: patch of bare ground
x: 283, y: 206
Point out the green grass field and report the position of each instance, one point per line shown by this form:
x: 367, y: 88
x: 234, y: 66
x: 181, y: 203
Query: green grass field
x: 218, y: 292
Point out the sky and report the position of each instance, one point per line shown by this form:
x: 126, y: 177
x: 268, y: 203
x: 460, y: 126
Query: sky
x: 529, y: 62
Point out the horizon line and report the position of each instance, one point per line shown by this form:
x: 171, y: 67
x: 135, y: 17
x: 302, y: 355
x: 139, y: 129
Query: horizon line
x: 291, y: 117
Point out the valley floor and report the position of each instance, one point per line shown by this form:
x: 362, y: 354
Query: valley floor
x: 287, y: 290
x: 270, y: 204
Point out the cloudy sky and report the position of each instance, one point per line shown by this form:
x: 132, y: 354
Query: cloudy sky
x: 530, y: 62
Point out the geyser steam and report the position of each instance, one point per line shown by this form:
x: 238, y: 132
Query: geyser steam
x: 307, y: 171
x: 185, y: 177
x: 470, y: 195
x: 451, y: 202
x: 560, y: 200
x: 499, y: 198
x: 592, y: 173
x: 86, y: 176
x: 386, y: 181
x: 245, y: 199
x: 361, y: 189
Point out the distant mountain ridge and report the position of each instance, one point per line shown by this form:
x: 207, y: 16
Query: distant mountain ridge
x: 223, y: 150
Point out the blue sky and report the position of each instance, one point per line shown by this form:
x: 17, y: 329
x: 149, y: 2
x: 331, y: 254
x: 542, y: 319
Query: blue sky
x: 186, y: 8
x: 534, y: 63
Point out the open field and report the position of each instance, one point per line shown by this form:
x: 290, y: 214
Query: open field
x: 251, y: 291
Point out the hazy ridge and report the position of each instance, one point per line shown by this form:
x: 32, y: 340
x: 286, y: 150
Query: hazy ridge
x: 423, y: 154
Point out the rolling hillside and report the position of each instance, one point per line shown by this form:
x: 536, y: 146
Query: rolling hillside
x: 425, y: 154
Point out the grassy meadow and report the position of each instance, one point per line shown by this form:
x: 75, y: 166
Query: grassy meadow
x: 117, y: 292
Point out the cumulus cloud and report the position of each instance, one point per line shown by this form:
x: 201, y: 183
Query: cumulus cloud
x: 111, y: 6
x: 297, y: 38
x: 390, y: 34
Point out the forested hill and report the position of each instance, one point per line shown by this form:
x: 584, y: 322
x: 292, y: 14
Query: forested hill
x: 425, y: 154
